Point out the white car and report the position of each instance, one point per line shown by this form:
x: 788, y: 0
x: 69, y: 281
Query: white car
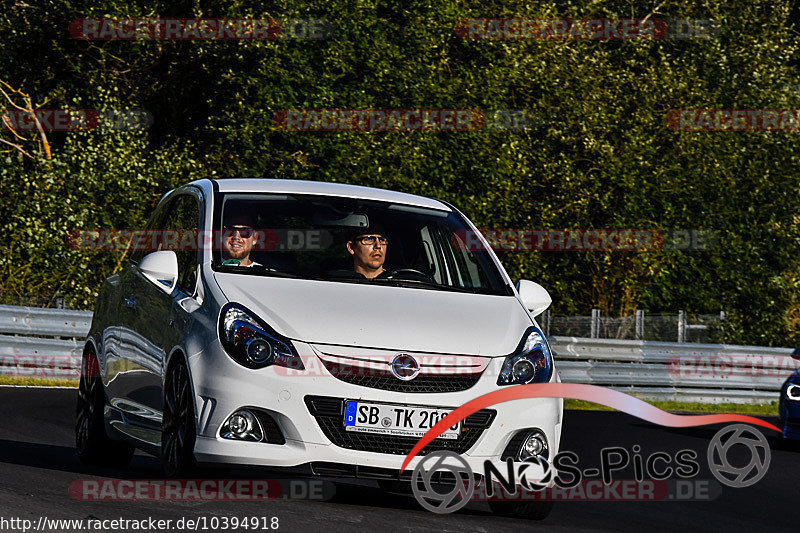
x: 273, y: 344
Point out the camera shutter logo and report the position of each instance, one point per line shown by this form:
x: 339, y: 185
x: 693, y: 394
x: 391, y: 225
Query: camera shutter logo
x: 546, y: 477
x: 719, y: 460
x: 422, y: 482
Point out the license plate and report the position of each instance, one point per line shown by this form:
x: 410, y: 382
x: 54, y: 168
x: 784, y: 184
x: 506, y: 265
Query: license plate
x: 404, y: 420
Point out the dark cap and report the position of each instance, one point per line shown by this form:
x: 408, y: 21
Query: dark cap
x: 238, y: 216
x: 374, y: 228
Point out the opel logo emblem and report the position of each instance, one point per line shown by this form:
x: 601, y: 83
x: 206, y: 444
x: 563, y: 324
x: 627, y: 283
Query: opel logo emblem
x: 404, y: 367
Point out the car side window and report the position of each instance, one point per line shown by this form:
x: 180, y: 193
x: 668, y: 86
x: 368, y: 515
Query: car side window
x: 156, y: 223
x: 181, y: 236
x: 465, y: 270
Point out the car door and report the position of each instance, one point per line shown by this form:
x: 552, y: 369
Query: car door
x: 131, y: 359
x: 185, y: 219
x: 156, y: 323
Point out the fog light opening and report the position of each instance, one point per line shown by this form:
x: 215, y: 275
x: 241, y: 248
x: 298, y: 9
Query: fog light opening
x: 242, y: 425
x: 534, y: 445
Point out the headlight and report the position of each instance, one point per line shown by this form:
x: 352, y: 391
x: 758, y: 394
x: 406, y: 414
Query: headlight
x: 793, y: 392
x: 530, y: 363
x: 252, y: 343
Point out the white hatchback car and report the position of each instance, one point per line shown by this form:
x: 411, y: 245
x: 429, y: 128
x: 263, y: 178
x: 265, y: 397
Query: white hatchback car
x: 274, y: 343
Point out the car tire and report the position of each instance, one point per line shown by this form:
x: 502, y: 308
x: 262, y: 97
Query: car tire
x: 178, y: 429
x: 538, y: 510
x: 92, y: 443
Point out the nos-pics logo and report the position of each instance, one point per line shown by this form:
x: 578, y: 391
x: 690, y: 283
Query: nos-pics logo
x: 443, y: 482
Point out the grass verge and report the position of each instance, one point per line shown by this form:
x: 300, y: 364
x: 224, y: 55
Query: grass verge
x: 39, y: 382
x: 769, y: 409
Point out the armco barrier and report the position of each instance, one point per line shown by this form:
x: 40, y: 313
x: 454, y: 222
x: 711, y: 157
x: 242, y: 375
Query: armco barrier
x: 48, y: 343
x: 44, y: 322
x: 707, y: 373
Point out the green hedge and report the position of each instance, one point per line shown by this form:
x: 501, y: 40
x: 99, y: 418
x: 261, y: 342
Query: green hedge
x: 601, y: 155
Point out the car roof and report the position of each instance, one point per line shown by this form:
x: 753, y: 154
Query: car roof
x: 257, y: 185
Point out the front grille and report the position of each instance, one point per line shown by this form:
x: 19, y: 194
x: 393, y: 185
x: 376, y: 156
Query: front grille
x: 329, y: 413
x: 387, y: 381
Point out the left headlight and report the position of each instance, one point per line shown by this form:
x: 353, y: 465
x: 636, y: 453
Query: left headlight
x: 793, y: 392
x: 253, y: 344
x: 531, y: 362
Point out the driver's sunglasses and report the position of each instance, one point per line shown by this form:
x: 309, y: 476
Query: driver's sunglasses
x: 244, y: 232
x: 368, y: 240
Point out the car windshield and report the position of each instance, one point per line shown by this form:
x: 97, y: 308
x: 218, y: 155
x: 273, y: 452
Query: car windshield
x: 336, y: 239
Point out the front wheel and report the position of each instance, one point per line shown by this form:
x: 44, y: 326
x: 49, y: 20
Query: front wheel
x: 538, y: 510
x: 91, y: 441
x: 178, y: 430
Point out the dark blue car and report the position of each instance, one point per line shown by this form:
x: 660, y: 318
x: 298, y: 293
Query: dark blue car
x: 789, y: 406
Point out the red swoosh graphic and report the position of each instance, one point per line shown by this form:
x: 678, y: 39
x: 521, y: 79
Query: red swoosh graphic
x: 590, y: 393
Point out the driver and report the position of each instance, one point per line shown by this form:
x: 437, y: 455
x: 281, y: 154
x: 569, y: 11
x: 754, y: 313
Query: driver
x: 368, y: 248
x: 238, y: 239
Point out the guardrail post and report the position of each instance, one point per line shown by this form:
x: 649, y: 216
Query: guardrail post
x: 681, y: 326
x: 595, y: 324
x: 639, y: 327
x: 545, y: 323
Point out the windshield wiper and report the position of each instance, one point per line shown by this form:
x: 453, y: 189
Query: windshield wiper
x: 258, y: 271
x: 414, y: 283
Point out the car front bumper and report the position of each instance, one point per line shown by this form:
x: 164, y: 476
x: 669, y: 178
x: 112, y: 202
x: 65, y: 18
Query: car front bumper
x: 222, y: 387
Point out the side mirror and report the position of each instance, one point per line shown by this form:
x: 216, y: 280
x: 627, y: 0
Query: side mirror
x: 534, y: 296
x: 161, y: 268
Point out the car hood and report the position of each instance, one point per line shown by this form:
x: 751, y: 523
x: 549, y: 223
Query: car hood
x: 377, y: 316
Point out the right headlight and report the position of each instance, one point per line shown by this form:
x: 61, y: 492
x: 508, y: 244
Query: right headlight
x: 793, y: 392
x: 252, y: 343
x: 531, y: 362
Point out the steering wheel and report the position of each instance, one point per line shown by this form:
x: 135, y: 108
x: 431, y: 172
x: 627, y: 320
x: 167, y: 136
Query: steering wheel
x: 415, y: 274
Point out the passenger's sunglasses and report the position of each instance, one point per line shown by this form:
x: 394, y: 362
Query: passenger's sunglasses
x: 244, y: 232
x: 368, y: 240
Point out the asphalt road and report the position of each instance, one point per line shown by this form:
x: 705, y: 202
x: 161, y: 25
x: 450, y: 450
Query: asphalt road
x: 38, y: 465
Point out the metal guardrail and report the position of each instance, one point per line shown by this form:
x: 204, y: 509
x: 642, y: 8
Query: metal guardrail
x: 708, y: 373
x: 44, y: 322
x: 37, y: 342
